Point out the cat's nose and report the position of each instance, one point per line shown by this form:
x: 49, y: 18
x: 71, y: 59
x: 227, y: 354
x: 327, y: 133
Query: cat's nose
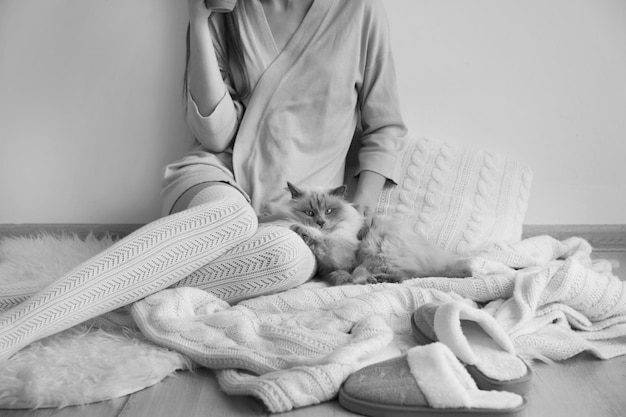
x: 320, y: 223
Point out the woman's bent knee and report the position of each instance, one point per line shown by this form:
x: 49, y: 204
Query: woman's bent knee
x: 275, y: 259
x: 204, y: 193
x: 297, y: 258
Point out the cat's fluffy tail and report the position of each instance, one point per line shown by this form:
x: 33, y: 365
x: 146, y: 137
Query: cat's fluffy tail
x: 459, y: 268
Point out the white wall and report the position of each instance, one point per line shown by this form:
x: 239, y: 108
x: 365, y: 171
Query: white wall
x: 90, y: 100
x: 540, y: 80
x: 90, y: 108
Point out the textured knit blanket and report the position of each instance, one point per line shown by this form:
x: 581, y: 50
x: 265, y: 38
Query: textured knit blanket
x: 295, y: 348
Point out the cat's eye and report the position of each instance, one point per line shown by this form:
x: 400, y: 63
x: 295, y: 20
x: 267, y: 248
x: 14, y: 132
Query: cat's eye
x: 309, y: 213
x: 328, y: 211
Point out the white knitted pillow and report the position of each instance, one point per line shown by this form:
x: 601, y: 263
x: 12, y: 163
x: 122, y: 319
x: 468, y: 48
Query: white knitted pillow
x: 459, y: 198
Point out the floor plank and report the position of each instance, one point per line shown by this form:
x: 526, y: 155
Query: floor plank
x: 603, y: 237
x: 579, y: 387
x: 109, y: 408
x: 189, y: 394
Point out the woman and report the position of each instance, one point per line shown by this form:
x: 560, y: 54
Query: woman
x: 275, y: 91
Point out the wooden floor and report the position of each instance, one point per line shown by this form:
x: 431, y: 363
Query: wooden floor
x: 580, y: 387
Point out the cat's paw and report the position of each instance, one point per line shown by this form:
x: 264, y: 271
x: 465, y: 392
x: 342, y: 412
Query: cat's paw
x: 303, y: 233
x: 339, y: 277
x: 365, y: 279
x: 372, y: 280
x: 385, y: 277
x: 362, y: 276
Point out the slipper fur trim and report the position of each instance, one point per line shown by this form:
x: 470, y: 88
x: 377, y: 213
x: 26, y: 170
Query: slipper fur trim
x: 447, y: 326
x: 446, y: 383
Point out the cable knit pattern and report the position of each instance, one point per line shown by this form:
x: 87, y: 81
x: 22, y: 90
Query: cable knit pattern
x: 459, y: 198
x: 485, y: 185
x: 295, y: 348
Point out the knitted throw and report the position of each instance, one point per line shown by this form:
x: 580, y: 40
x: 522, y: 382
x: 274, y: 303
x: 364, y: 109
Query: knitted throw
x: 295, y: 348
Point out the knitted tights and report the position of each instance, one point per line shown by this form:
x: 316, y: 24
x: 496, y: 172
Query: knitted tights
x: 208, y: 245
x: 274, y: 259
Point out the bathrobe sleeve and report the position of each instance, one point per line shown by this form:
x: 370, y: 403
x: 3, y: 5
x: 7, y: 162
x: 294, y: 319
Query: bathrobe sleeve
x: 383, y: 133
x: 221, y: 125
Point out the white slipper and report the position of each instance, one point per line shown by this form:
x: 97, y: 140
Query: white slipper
x: 476, y: 339
x: 428, y: 380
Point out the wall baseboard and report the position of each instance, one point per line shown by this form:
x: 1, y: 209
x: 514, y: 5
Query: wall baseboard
x: 80, y: 229
x: 609, y: 238
x: 602, y: 237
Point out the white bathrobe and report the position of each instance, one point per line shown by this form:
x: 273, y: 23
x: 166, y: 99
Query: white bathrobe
x: 333, y: 78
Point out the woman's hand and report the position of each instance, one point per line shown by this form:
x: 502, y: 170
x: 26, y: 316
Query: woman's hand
x: 368, y: 190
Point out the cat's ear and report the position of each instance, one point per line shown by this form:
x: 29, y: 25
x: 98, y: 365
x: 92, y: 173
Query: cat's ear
x: 295, y: 191
x: 339, y: 191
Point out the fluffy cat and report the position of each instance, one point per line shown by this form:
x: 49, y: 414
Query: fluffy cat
x: 328, y: 224
x: 389, y: 250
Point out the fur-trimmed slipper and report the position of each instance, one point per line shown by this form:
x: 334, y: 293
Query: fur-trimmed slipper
x: 476, y: 338
x: 428, y: 380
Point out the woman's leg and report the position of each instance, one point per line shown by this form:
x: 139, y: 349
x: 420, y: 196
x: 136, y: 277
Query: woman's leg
x: 152, y: 258
x: 275, y: 259
x: 16, y: 292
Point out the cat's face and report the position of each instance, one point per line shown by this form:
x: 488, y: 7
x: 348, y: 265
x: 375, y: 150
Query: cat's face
x: 323, y: 209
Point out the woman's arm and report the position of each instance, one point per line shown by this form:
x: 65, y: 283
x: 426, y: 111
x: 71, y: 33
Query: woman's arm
x: 383, y: 133
x: 206, y: 87
x: 369, y: 186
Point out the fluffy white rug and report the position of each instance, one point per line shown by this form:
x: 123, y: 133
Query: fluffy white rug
x: 96, y: 361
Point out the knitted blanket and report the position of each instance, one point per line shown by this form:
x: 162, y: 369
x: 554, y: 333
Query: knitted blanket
x: 295, y: 348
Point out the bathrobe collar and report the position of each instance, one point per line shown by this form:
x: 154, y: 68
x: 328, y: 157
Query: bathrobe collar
x: 268, y: 69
